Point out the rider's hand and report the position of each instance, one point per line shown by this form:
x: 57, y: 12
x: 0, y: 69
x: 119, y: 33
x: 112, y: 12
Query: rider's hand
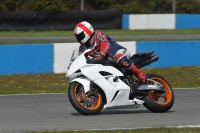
x: 96, y: 60
x: 99, y: 58
x: 90, y: 61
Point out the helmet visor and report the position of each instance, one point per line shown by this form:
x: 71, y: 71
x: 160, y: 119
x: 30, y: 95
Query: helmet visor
x: 80, y: 36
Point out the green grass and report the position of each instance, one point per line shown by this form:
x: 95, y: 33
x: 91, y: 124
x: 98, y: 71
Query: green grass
x: 179, y: 77
x: 109, y: 32
x: 33, y: 83
x: 145, y: 130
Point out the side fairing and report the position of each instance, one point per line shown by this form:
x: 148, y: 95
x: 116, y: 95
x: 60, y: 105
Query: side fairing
x: 107, y: 83
x: 94, y: 72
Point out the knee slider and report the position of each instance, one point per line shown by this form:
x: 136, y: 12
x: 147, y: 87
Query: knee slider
x: 125, y: 62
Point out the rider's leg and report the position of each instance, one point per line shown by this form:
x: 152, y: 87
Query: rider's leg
x: 139, y: 74
x: 125, y: 62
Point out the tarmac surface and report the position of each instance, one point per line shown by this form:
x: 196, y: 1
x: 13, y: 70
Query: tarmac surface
x: 53, y: 112
x: 59, y: 39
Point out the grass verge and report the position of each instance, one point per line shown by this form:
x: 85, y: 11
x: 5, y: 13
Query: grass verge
x: 179, y: 77
x: 109, y: 32
x: 113, y: 32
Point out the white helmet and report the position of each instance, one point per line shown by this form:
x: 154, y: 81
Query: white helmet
x: 83, y: 31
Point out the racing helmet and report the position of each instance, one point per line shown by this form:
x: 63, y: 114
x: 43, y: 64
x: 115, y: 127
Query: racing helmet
x: 83, y: 31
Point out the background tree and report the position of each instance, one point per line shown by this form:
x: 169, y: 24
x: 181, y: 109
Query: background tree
x: 127, y: 6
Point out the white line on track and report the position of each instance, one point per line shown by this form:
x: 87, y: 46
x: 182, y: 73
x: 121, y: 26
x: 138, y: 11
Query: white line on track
x: 181, y: 126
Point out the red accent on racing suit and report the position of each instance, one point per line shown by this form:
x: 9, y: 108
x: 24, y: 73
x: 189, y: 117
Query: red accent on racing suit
x: 100, y: 42
x: 103, y: 44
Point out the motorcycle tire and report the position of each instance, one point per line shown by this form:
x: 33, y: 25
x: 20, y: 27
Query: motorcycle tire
x: 82, y: 102
x: 152, y: 102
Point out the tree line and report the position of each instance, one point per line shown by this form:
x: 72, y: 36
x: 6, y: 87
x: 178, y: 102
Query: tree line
x: 127, y: 6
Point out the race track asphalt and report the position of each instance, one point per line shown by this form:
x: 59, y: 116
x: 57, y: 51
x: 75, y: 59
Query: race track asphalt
x: 53, y: 112
x: 59, y: 39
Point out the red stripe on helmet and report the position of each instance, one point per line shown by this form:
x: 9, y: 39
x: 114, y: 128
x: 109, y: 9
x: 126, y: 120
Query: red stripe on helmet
x: 88, y: 31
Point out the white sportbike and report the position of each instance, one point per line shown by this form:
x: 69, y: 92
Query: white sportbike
x: 95, y: 87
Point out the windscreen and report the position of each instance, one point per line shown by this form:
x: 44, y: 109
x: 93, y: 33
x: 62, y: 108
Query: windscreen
x: 73, y: 56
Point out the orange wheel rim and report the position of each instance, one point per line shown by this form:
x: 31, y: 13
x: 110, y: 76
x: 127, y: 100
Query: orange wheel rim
x: 83, y: 95
x: 168, y: 94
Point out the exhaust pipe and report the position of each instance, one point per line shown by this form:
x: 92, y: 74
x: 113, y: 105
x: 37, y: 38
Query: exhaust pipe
x: 149, y: 61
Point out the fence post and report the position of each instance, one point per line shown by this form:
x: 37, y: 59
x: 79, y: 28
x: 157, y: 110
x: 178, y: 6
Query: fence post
x: 174, y: 6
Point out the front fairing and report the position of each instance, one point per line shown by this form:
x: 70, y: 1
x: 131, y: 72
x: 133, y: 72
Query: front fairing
x: 79, y: 66
x: 77, y: 61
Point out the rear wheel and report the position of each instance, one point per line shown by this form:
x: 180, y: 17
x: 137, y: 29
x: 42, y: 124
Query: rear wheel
x: 159, y: 101
x: 90, y: 103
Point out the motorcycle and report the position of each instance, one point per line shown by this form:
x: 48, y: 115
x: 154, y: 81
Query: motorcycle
x: 96, y: 87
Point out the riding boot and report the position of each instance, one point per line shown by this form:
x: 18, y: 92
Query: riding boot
x: 139, y: 74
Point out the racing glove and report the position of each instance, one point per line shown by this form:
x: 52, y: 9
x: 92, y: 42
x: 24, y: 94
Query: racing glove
x: 98, y: 58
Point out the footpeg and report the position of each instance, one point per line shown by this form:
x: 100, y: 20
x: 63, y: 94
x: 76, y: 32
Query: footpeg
x: 137, y: 101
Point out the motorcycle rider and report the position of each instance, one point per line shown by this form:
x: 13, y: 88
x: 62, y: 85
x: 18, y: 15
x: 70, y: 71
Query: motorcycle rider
x: 102, y: 44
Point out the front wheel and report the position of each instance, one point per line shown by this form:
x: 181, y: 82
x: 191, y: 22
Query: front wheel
x: 90, y: 103
x: 159, y: 101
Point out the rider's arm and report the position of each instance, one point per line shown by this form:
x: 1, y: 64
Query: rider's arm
x: 102, y: 40
x: 82, y: 48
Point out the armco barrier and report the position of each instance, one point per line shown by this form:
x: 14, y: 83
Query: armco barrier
x: 26, y: 59
x: 63, y: 51
x: 173, y: 53
x: 152, y: 21
x: 54, y: 58
x: 187, y: 21
x: 160, y: 21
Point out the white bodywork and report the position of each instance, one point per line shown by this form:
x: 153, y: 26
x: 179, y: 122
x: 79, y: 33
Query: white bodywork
x: 106, y: 83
